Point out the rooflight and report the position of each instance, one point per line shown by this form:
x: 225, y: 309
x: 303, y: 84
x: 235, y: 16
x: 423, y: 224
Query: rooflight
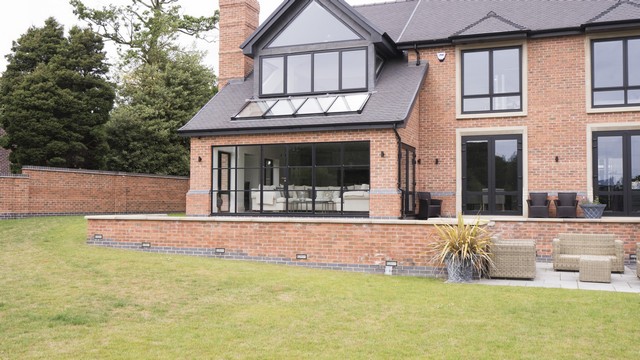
x: 310, y: 105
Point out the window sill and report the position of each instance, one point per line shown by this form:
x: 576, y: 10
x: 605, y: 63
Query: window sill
x: 491, y: 115
x: 613, y: 109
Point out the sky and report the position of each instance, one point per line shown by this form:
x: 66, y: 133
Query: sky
x: 18, y: 16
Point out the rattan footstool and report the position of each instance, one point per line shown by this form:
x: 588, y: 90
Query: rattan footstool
x: 595, y: 268
x: 513, y: 259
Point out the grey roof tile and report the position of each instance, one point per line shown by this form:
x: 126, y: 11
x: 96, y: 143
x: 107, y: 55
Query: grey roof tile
x: 618, y: 11
x: 492, y: 23
x: 435, y: 20
x: 391, y: 102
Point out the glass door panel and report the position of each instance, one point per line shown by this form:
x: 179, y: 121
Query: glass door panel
x: 610, y: 183
x: 492, y: 175
x: 635, y: 175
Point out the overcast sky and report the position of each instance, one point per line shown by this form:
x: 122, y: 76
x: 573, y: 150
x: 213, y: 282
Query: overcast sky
x: 17, y: 16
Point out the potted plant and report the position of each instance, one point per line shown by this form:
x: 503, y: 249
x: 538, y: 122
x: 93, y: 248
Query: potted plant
x: 592, y: 209
x: 462, y: 247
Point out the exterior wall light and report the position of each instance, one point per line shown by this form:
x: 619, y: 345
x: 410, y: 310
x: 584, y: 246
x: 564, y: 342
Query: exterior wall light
x: 389, y: 265
x: 146, y: 245
x: 301, y: 256
x: 219, y: 250
x: 381, y: 153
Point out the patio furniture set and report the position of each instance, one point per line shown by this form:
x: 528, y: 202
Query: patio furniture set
x: 566, y: 205
x: 594, y: 256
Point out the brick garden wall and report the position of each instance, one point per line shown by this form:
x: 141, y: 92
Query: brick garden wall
x: 361, y: 245
x: 53, y: 191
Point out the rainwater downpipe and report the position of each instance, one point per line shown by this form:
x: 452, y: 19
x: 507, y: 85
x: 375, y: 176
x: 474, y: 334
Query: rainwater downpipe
x: 399, y: 183
x: 415, y: 48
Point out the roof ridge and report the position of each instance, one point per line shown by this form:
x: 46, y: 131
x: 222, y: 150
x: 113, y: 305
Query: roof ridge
x: 382, y: 3
x: 611, y: 8
x: 490, y: 14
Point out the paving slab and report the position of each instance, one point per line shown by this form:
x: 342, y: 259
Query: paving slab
x: 546, y: 277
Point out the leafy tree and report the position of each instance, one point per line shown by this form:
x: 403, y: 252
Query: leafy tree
x: 55, y: 98
x: 161, y: 85
x: 146, y: 30
x: 154, y: 103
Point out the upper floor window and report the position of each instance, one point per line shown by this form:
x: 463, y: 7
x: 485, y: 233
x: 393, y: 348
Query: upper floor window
x: 615, y: 72
x: 492, y: 80
x: 318, y: 72
x: 314, y: 25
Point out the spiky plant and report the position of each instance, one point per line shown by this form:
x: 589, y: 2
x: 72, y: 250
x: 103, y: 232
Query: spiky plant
x: 462, y: 242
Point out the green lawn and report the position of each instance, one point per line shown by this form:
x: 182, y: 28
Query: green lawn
x: 60, y: 298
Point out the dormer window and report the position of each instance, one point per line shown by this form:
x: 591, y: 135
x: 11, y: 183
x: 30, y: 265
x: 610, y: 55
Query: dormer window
x: 316, y: 72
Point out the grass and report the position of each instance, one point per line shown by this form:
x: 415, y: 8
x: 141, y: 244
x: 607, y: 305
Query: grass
x: 60, y: 298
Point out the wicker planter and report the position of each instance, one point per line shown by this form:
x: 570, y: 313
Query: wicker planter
x: 592, y: 211
x: 459, y: 271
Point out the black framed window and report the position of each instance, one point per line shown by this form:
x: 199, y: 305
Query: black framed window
x: 615, y: 72
x: 492, y: 174
x: 315, y: 72
x: 492, y: 80
x: 616, y: 171
x: 306, y: 179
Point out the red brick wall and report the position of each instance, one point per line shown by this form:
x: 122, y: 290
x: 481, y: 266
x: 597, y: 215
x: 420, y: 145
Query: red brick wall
x: 556, y: 121
x: 326, y: 243
x: 383, y: 169
x: 41, y: 191
x: 14, y: 195
x: 238, y: 20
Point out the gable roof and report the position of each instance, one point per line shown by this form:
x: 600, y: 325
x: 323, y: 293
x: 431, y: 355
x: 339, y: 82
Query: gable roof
x: 287, y: 6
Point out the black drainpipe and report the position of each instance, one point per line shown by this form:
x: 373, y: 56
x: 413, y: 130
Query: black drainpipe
x: 415, y: 48
x: 399, y: 184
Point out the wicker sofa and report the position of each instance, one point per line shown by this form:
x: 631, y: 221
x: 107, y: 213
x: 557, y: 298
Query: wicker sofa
x: 568, y: 248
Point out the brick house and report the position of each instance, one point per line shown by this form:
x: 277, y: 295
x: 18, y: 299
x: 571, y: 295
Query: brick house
x: 331, y: 109
x: 331, y: 118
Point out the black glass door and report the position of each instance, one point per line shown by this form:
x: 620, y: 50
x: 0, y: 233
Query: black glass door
x: 616, y: 171
x: 492, y: 174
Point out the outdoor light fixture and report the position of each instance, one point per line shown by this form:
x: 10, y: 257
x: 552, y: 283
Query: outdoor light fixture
x: 437, y: 161
x: 419, y: 161
x: 97, y: 236
x: 381, y: 153
x: 199, y: 159
x: 389, y: 265
x: 146, y: 245
x: 301, y: 256
x: 220, y: 250
x: 557, y: 158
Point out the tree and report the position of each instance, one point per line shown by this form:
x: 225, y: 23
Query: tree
x: 153, y: 104
x: 161, y: 85
x: 55, y: 98
x: 145, y: 31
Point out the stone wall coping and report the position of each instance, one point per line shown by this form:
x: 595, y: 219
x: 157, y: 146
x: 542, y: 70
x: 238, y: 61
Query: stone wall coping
x: 101, y: 172
x: 324, y: 220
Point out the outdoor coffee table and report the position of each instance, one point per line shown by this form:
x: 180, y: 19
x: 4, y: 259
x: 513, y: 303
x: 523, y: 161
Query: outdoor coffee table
x: 595, y: 268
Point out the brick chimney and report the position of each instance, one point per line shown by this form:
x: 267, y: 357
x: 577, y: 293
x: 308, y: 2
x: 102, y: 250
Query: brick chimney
x: 238, y: 20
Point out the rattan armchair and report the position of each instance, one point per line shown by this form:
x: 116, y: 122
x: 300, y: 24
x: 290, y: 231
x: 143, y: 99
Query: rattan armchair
x: 538, y: 205
x: 514, y: 259
x: 428, y: 207
x: 566, y: 205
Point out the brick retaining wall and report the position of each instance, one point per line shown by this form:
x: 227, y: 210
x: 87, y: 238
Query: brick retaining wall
x: 43, y: 191
x: 361, y: 245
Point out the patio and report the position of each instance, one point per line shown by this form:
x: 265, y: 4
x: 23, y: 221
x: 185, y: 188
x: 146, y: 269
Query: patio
x: 548, y: 278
